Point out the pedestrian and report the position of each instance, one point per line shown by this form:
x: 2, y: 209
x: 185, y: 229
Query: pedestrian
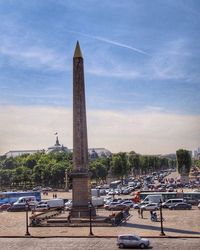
x: 142, y: 213
x: 33, y: 210
x: 139, y: 212
x: 69, y: 217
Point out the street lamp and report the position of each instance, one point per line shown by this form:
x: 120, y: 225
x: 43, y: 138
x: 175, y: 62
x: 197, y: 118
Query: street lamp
x: 90, y: 211
x: 66, y: 181
x: 27, y: 207
x: 161, y: 221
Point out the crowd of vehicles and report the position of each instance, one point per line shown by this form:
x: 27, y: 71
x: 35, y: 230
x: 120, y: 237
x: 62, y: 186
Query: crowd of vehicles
x: 29, y: 200
x: 150, y: 192
x: 107, y: 195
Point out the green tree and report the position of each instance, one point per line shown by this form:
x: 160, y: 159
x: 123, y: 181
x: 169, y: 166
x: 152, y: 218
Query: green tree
x: 6, y: 177
x: 197, y: 163
x: 98, y: 170
x: 37, y: 175
x: 119, y: 165
x: 30, y: 161
x: 183, y: 160
x: 58, y: 175
x: 134, y: 162
x: 10, y: 163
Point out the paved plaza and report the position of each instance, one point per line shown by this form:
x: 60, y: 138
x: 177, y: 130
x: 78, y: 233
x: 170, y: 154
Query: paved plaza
x: 177, y: 223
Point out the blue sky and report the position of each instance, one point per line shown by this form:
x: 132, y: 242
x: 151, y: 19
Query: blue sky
x: 141, y: 57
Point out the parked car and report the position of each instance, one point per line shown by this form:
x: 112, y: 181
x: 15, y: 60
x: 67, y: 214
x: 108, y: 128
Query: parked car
x: 47, y: 189
x: 42, y: 207
x: 102, y: 191
x: 170, y: 189
x: 150, y: 207
x: 118, y: 191
x: 55, y: 203
x: 199, y: 206
x: 172, y: 202
x: 18, y: 208
x: 132, y: 240
x: 5, y: 206
x: 118, y: 207
x: 180, y: 206
x: 68, y: 205
x: 129, y: 203
x: 111, y: 204
x: 138, y: 205
x: 108, y: 199
x: 39, y: 188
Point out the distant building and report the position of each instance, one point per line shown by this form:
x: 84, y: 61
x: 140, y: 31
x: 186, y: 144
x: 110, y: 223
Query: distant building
x: 15, y: 153
x: 94, y: 153
x: 57, y: 147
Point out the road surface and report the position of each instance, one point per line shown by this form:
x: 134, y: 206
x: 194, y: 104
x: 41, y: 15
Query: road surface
x: 90, y: 244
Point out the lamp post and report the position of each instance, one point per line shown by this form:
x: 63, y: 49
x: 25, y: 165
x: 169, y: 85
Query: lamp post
x: 66, y: 181
x: 161, y: 221
x: 90, y: 211
x: 27, y: 207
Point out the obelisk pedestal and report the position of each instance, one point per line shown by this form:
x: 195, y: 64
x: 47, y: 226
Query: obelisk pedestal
x: 81, y: 191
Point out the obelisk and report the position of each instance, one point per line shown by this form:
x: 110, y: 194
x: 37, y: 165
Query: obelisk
x: 81, y: 192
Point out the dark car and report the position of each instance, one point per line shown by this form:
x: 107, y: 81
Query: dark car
x: 5, y: 206
x: 180, y: 206
x: 118, y: 207
x: 18, y: 208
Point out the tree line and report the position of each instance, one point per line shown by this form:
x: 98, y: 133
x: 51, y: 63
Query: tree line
x: 41, y: 169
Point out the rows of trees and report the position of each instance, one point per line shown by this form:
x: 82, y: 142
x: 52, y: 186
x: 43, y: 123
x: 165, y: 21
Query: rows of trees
x: 49, y: 169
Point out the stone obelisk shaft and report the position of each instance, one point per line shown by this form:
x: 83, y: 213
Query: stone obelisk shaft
x: 80, y: 144
x: 80, y: 176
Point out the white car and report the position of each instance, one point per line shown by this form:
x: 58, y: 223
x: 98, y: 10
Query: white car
x: 150, y: 207
x: 199, y: 206
x: 132, y: 240
x: 68, y: 205
x: 108, y: 199
x: 112, y: 192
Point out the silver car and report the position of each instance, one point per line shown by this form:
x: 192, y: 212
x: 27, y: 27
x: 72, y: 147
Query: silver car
x: 131, y: 240
x: 150, y: 206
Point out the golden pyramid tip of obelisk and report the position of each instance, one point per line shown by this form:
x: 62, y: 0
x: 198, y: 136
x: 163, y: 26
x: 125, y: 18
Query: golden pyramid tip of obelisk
x: 77, y: 52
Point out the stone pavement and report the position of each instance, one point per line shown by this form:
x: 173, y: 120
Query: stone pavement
x: 90, y: 244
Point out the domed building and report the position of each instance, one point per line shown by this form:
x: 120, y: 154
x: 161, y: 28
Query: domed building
x: 57, y: 148
x: 95, y: 153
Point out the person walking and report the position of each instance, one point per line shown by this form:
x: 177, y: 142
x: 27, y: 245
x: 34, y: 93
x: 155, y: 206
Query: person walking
x: 69, y: 217
x: 139, y: 212
x: 142, y: 213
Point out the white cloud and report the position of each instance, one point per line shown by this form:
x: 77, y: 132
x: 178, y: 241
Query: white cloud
x: 116, y: 71
x: 34, y: 57
x: 149, y: 131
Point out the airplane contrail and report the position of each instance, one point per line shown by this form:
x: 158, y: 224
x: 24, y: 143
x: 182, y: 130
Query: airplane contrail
x: 102, y: 39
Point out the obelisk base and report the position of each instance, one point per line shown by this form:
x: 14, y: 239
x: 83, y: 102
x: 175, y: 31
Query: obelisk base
x: 81, y: 195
